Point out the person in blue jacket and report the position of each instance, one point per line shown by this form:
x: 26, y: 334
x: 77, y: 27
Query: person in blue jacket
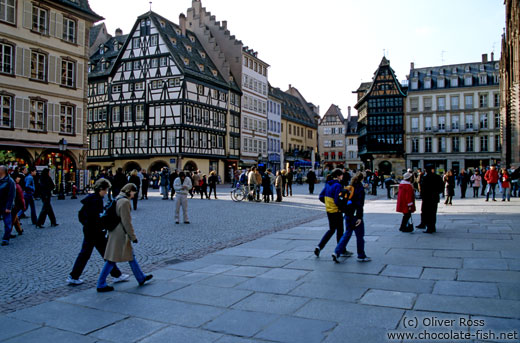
x: 354, y: 222
x: 330, y: 196
x: 28, y: 195
x: 7, y: 194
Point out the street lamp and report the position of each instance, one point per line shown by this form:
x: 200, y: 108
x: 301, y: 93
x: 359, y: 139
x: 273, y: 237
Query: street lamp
x: 63, y: 147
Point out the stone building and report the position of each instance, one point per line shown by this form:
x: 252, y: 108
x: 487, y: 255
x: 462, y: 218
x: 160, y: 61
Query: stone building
x: 274, y: 130
x: 331, y: 138
x: 380, y: 109
x: 452, y: 117
x: 510, y: 85
x: 43, y: 85
x: 156, y: 99
x: 352, y: 160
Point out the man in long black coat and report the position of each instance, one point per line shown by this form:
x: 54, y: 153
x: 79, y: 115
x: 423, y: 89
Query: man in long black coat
x: 311, y: 180
x: 431, y: 188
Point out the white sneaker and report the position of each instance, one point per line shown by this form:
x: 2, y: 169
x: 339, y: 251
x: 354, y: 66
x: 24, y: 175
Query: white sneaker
x: 366, y: 259
x: 122, y: 278
x: 72, y: 281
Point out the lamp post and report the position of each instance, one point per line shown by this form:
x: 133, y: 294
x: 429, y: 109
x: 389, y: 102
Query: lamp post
x: 63, y: 148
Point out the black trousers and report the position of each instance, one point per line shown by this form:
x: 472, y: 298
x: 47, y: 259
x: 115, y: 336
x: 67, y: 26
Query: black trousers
x: 463, y: 192
x: 278, y: 195
x: 144, y: 194
x: 335, y: 225
x: 46, y: 211
x: 214, y: 189
x: 134, y: 200
x: 89, y: 243
x: 429, y: 214
x: 311, y: 187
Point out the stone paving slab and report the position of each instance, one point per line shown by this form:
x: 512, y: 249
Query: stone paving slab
x: 48, y: 334
x: 271, y: 303
x: 241, y: 323
x: 439, y: 274
x: 389, y: 299
x: 209, y: 295
x: 175, y: 334
x: 466, y: 289
x: 10, y: 327
x: 403, y: 271
x: 128, y: 330
x: 328, y: 291
x: 296, y: 330
x: 488, y: 275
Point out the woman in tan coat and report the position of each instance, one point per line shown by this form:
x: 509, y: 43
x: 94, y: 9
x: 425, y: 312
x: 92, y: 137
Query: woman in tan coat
x: 119, y: 246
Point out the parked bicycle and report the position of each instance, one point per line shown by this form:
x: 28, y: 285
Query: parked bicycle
x: 239, y: 193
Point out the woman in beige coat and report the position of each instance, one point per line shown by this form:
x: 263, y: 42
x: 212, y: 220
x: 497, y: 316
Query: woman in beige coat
x: 119, y: 246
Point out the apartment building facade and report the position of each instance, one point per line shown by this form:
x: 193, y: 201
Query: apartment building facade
x: 331, y: 138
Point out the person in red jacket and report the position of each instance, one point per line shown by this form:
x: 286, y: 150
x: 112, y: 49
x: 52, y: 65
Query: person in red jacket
x: 491, y: 178
x: 406, y: 202
x: 506, y: 185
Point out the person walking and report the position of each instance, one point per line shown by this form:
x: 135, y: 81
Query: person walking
x: 431, y: 188
x: 278, y: 186
x: 212, y: 182
x: 119, y: 181
x: 204, y: 187
x: 311, y: 180
x: 375, y: 182
x: 19, y: 205
x: 476, y: 179
x: 145, y: 183
x: 7, y: 195
x: 491, y: 178
x: 119, y: 245
x: 354, y: 222
x: 94, y: 236
x: 266, y: 186
x: 330, y: 197
x: 290, y: 179
x: 28, y: 194
x: 284, y: 181
x: 195, y: 179
x: 514, y: 176
x: 506, y: 185
x: 406, y: 202
x: 258, y: 183
x: 164, y: 181
x: 134, y: 178
x: 389, y: 182
x: 483, y: 172
x: 464, y: 180
x: 449, y: 187
x: 272, y: 180
x: 182, y: 187
x: 46, y: 188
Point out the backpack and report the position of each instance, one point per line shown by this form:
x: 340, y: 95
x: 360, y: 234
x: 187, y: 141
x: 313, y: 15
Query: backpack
x: 82, y: 215
x: 345, y: 204
x: 109, y: 218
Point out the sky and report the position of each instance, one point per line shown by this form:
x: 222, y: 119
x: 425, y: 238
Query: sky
x: 327, y: 48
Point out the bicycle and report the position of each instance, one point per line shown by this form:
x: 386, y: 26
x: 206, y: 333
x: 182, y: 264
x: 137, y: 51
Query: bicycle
x: 239, y: 193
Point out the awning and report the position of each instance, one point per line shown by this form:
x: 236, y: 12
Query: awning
x: 248, y: 162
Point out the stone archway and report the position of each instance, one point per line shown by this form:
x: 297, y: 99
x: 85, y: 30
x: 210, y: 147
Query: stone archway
x: 131, y: 165
x: 157, y: 166
x: 190, y: 166
x: 385, y: 167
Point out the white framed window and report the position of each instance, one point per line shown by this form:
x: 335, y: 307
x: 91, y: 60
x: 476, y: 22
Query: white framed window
x: 127, y: 113
x: 170, y: 138
x: 143, y: 139
x: 455, y: 122
x: 441, y: 103
x: 415, y: 145
x: 157, y: 138
x: 483, y: 100
x: 415, y: 124
x: 94, y: 142
x: 68, y: 73
x: 496, y: 99
x: 117, y: 140
x: 104, y: 141
x: 139, y: 112
x: 468, y: 101
x: 428, y: 124
x: 189, y: 113
x: 136, y: 42
x: 428, y: 83
x: 130, y: 139
x: 206, y: 116
x: 137, y: 65
x: 440, y: 83
x: 484, y: 143
x: 139, y: 86
x: 154, y: 62
x: 442, y: 144
x: 427, y: 104
x: 455, y: 144
x: 6, y: 58
x: 8, y: 11
x: 154, y: 40
x: 468, y: 80
x: 454, y: 81
x: 116, y: 115
x: 116, y: 89
x: 454, y: 105
x: 427, y: 144
x: 100, y: 88
x: 38, y: 115
x: 66, y: 119
x: 38, y: 66
x: 442, y: 122
x: 6, y: 110
x: 483, y: 120
x: 69, y: 30
x: 196, y: 115
x: 163, y: 61
x: 470, y: 143
x: 469, y: 121
x: 40, y: 20
x: 414, y: 104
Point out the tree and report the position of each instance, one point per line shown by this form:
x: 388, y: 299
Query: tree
x: 6, y: 156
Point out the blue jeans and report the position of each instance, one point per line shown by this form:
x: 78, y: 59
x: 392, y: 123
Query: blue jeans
x: 107, y: 268
x: 490, y: 189
x: 506, y: 194
x: 8, y: 226
x: 29, y: 202
x: 350, y: 225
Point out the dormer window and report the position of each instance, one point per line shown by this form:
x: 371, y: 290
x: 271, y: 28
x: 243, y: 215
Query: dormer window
x: 454, y: 82
x: 188, y: 47
x: 468, y: 80
x: 482, y: 79
x: 454, y: 71
x: 497, y: 66
x: 440, y: 82
x: 173, y: 40
x: 467, y: 69
x: 116, y: 46
x: 427, y: 83
x: 214, y: 72
x: 192, y: 39
x: 482, y: 67
x: 101, y: 49
x: 202, y: 54
x: 441, y: 71
x: 429, y: 73
x: 201, y: 67
x: 186, y: 61
x: 178, y: 32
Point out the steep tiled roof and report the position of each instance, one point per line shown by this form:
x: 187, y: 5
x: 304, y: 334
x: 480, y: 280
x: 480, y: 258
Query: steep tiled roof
x: 352, y: 125
x: 109, y: 57
x: 364, y: 86
x: 94, y: 31
x: 292, y: 108
x: 81, y: 5
x: 334, y: 111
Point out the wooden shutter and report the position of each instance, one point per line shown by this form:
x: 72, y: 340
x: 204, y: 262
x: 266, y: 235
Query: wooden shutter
x: 79, y: 121
x: 80, y: 72
x: 52, y: 27
x: 19, y: 61
x: 27, y: 62
x: 58, y: 70
x: 27, y: 14
x: 59, y: 25
x: 57, y: 117
x: 52, y: 69
x: 50, y: 117
x: 81, y: 33
x: 26, y: 117
x: 18, y: 113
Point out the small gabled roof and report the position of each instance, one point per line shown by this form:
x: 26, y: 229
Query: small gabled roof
x: 334, y: 111
x: 94, y: 32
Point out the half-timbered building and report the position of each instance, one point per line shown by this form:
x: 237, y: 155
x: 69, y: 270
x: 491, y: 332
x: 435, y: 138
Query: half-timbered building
x: 156, y: 99
x: 380, y: 109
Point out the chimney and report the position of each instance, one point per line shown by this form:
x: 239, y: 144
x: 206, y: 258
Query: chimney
x: 412, y: 65
x: 349, y: 109
x: 484, y: 58
x: 119, y: 32
x: 224, y: 24
x: 492, y: 56
x: 182, y: 23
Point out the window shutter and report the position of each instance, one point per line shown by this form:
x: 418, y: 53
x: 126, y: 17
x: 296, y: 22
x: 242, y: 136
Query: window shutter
x: 79, y: 121
x: 27, y: 14
x: 58, y: 70
x: 50, y: 117
x: 18, y: 113
x: 80, y: 72
x: 52, y: 27
x: 26, y: 109
x: 59, y: 25
x: 27, y: 62
x: 52, y: 69
x: 81, y: 33
x: 19, y: 61
x: 56, y: 117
